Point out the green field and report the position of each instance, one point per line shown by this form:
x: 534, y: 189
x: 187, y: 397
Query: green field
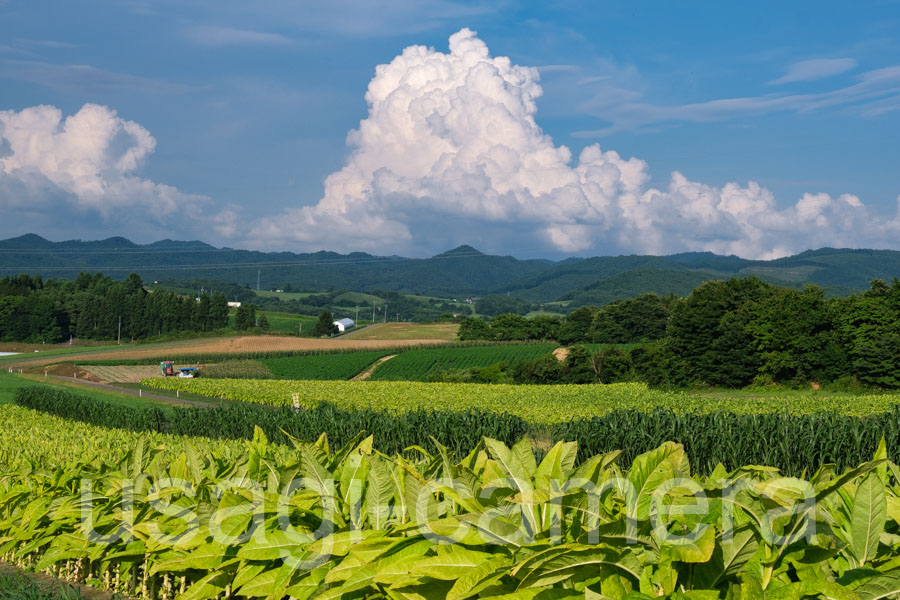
x: 280, y: 322
x: 417, y: 365
x: 535, y: 403
x: 284, y: 295
x: 289, y: 323
x: 357, y: 299
x: 337, y: 366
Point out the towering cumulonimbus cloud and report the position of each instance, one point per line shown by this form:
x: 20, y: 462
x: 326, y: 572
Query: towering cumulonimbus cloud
x: 82, y: 164
x: 450, y: 141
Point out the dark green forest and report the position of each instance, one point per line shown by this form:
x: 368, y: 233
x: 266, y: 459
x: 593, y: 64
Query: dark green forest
x: 732, y: 333
x: 93, y: 307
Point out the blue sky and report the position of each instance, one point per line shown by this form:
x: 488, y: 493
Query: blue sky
x: 249, y: 106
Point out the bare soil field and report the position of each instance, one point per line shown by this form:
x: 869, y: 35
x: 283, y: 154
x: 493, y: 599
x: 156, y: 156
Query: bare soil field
x: 406, y: 331
x: 129, y: 374
x: 63, y: 369
x: 237, y: 345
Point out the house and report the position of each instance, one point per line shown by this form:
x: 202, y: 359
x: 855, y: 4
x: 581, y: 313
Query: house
x: 234, y: 305
x: 342, y: 325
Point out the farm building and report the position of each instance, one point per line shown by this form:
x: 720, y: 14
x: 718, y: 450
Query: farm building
x: 342, y: 325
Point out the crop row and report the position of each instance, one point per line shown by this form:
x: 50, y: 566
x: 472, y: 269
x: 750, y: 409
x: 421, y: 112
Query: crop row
x: 159, y: 518
x: 213, y: 356
x: 535, y: 403
x: 794, y: 444
x: 322, y: 366
x: 418, y: 364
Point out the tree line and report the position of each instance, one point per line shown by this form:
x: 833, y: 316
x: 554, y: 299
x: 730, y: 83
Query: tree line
x: 732, y: 333
x: 98, y: 308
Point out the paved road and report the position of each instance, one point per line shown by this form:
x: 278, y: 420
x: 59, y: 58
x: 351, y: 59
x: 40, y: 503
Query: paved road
x: 133, y: 392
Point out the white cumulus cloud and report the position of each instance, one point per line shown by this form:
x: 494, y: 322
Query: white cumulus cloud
x: 450, y: 149
x: 83, y: 164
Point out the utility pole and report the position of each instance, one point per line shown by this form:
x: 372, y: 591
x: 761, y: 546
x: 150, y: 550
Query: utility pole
x: 119, y: 339
x: 357, y: 313
x: 385, y: 312
x: 373, y: 311
x: 257, y: 279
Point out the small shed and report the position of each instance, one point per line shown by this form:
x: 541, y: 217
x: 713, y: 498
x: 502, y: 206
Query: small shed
x: 342, y: 325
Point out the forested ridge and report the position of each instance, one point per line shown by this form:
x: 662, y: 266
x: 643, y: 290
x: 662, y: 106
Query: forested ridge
x: 93, y: 306
x: 459, y: 273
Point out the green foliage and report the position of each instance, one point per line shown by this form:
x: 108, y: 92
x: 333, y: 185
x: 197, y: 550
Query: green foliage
x: 641, y: 319
x: 245, y: 317
x: 497, y: 304
x: 639, y: 282
x: 500, y: 522
x: 869, y: 327
x: 576, y: 327
x: 460, y: 431
x: 707, y: 334
x: 534, y: 403
x: 89, y: 410
x: 325, y: 325
x: 93, y: 306
x: 794, y: 443
x: 496, y: 373
x: 543, y: 370
x: 422, y: 364
x: 322, y: 366
x: 473, y: 328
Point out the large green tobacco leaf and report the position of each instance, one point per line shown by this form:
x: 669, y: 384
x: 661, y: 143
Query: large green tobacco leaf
x: 559, y: 567
x: 451, y: 564
x: 883, y: 586
x: 379, y: 492
x: 697, y: 550
x: 206, y: 557
x: 867, y: 518
x: 728, y: 558
x: 523, y: 530
x: 208, y: 587
x: 652, y: 469
x: 483, y: 576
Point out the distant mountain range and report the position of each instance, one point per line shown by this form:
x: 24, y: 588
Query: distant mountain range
x: 461, y: 272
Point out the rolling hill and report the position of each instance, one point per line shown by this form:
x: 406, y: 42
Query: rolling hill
x: 461, y: 272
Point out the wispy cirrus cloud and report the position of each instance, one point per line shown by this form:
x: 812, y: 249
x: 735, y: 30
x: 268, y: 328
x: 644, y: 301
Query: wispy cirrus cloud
x: 812, y: 70
x: 213, y: 36
x: 81, y: 78
x: 53, y: 44
x: 350, y: 18
x: 873, y: 89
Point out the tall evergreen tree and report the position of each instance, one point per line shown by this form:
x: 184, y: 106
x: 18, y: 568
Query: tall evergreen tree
x: 325, y: 324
